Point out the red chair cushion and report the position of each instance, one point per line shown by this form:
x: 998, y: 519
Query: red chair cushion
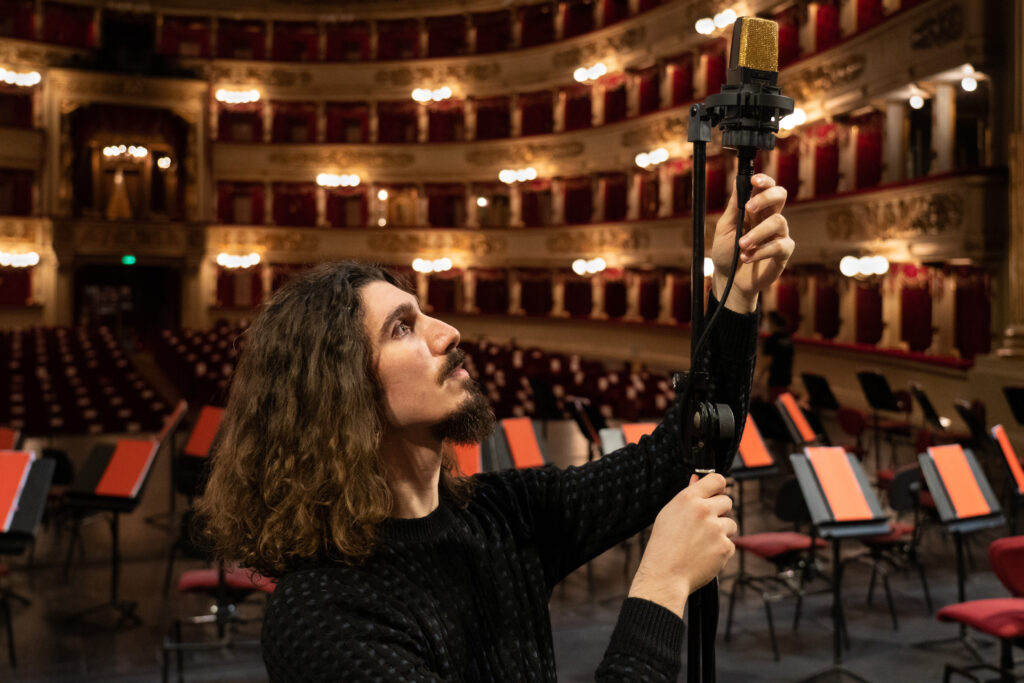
x: 897, y: 530
x: 885, y: 477
x: 926, y: 501
x: 999, y: 617
x: 772, y: 544
x: 200, y: 580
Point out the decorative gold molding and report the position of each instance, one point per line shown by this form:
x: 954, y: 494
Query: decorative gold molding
x: 599, y: 239
x: 580, y: 55
x: 524, y: 153
x: 275, y: 76
x: 476, y: 244
x: 77, y: 85
x: 429, y: 76
x: 272, y: 240
x: 924, y: 215
x: 823, y: 78
x: 20, y: 229
x: 942, y: 28
x: 661, y: 131
x: 113, y: 237
x: 322, y: 158
x: 16, y: 52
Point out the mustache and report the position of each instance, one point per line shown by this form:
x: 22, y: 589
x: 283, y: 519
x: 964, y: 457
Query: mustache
x: 453, y: 360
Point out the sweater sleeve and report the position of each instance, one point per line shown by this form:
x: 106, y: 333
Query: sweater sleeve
x: 574, y: 514
x: 645, y: 645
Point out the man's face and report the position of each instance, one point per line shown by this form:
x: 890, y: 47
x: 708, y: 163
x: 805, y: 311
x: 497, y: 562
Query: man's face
x: 419, y: 367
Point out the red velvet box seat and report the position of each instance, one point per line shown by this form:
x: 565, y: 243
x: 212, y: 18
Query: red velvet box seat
x: 187, y: 37
x: 348, y: 41
x: 537, y: 24
x: 241, y: 39
x: 347, y: 122
x: 295, y: 41
x: 398, y: 39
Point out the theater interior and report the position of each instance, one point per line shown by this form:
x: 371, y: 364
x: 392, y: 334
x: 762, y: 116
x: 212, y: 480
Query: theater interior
x: 166, y: 166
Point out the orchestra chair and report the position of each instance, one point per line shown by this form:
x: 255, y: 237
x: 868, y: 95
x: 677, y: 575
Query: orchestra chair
x: 189, y: 479
x: 965, y: 504
x: 1001, y: 618
x: 24, y: 484
x: 842, y: 505
x: 1015, y: 482
x: 801, y: 432
x: 790, y: 552
x: 112, y: 481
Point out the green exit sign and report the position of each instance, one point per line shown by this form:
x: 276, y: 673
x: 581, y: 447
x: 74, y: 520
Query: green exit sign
x: 128, y: 260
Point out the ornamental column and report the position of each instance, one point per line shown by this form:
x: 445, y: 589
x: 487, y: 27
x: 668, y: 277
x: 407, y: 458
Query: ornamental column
x: 665, y: 300
x: 847, y: 311
x: 633, y: 282
x: 597, y: 298
x: 469, y: 292
x: 943, y: 290
x: 943, y: 123
x: 894, y: 147
x: 558, y: 296
x: 515, y: 293
x: 892, y: 311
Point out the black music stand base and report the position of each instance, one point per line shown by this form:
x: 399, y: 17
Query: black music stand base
x: 129, y: 617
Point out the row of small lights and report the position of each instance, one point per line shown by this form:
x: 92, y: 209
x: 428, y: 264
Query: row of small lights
x: 585, y: 74
x: 864, y: 266
x: 424, y: 95
x: 335, y: 180
x: 652, y: 158
x: 707, y: 25
x: 237, y: 96
x: 137, y: 151
x: 237, y: 261
x: 521, y: 175
x: 422, y: 265
x: 24, y: 260
x: 25, y: 79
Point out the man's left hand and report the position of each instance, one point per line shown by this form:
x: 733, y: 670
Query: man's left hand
x: 765, y: 248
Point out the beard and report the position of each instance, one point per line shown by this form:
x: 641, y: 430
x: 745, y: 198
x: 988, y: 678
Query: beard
x: 471, y: 423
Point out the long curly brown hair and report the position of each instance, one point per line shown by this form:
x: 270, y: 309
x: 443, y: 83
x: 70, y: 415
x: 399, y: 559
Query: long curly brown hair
x: 296, y: 472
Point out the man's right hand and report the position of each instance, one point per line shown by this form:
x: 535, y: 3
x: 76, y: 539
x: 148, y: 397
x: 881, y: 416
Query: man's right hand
x: 689, y: 544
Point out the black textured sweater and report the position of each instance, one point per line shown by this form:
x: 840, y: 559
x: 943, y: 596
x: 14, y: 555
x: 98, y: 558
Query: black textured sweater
x: 462, y: 594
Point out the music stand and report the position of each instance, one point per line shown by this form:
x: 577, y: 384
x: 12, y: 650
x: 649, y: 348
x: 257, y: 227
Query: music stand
x: 24, y: 486
x: 800, y: 430
x: 819, y: 393
x: 1015, y: 397
x: 162, y: 520
x: 965, y: 503
x: 842, y: 505
x: 931, y: 416
x: 113, y: 480
x: 1015, y: 482
x: 879, y: 396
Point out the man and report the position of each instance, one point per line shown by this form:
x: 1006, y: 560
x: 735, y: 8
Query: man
x: 332, y: 474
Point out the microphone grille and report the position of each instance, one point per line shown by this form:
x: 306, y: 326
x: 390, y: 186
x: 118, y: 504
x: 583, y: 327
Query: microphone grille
x: 758, y: 44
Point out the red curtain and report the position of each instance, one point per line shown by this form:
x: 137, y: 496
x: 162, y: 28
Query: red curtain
x: 396, y: 121
x: 615, y: 10
x: 241, y: 287
x: 615, y: 197
x: 826, y: 159
x: 650, y: 298
x: 682, y: 79
x: 241, y: 39
x: 788, y: 300
x: 294, y: 122
x: 493, y: 118
x: 682, y: 308
x: 577, y: 107
x: 296, y: 41
x: 533, y: 196
x: 717, y: 192
x: 15, y: 192
x: 869, y: 314
x: 579, y: 200
x: 535, y: 293
x: 826, y: 30
x: 445, y: 204
x: 339, y: 207
x: 446, y: 122
x: 68, y: 25
x: 493, y: 31
x: 185, y: 36
x: 348, y: 41
x: 973, y: 313
x: 649, y: 195
x: 441, y: 291
x: 916, y: 313
x: 240, y: 123
x: 537, y: 112
x: 15, y: 287
x: 869, y: 13
x: 348, y: 122
x: 787, y: 171
x: 714, y: 68
x: 869, y: 151
x: 537, y: 24
x: 446, y: 36
x: 614, y: 98
x: 615, y: 303
x: 578, y: 297
x: 398, y: 39
x: 826, y: 307
x: 577, y: 16
x: 789, y: 36
x: 682, y: 190
x: 19, y: 15
x: 491, y: 292
x: 650, y: 89
x: 294, y: 204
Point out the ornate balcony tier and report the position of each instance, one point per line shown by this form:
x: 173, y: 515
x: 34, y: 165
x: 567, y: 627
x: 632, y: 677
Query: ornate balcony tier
x: 930, y: 220
x: 25, y: 233
x: 86, y: 239
x: 22, y: 148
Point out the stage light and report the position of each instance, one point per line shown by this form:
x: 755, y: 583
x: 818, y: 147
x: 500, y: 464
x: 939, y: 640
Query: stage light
x: 725, y: 18
x: 381, y: 222
x: 709, y: 266
x: 482, y: 202
x: 237, y: 96
x: 163, y: 163
x: 849, y: 266
x: 382, y: 195
x: 916, y: 101
x: 705, y: 26
x: 596, y: 265
x: 969, y: 84
x: 23, y: 260
x: 579, y: 266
